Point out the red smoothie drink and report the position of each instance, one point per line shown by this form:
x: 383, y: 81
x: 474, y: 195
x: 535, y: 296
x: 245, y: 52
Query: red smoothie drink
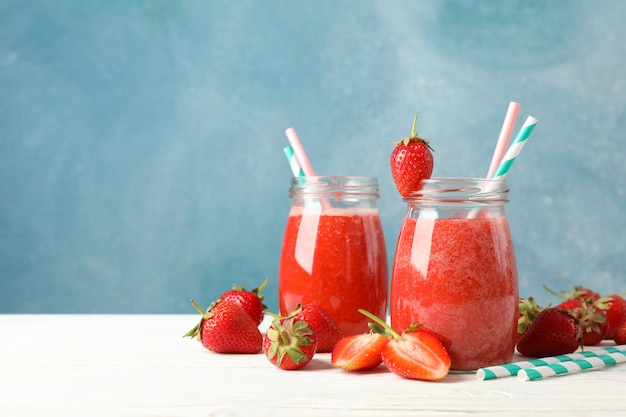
x: 456, y: 274
x: 336, y: 258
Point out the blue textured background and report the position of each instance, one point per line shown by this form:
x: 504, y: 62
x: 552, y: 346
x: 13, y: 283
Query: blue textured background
x: 141, y: 142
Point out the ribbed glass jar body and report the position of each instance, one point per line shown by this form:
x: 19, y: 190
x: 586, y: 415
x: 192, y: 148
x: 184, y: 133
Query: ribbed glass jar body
x: 333, y: 251
x: 454, y: 270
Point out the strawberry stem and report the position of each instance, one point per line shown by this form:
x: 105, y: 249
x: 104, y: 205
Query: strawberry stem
x: 274, y: 315
x: 195, y: 332
x: 261, y: 287
x: 413, y: 132
x: 551, y: 291
x: 380, y: 322
x: 200, y: 310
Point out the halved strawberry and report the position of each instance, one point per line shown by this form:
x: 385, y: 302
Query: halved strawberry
x: 416, y: 354
x: 360, y: 352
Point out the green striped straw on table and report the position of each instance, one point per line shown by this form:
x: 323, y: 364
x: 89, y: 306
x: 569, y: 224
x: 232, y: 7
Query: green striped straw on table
x: 577, y: 365
x: 515, y: 148
x: 533, y: 369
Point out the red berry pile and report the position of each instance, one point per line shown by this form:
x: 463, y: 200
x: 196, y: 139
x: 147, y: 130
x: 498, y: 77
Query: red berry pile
x: 231, y: 325
x: 581, y: 317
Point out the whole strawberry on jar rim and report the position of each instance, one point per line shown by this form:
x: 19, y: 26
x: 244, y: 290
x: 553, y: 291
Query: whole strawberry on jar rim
x: 411, y: 162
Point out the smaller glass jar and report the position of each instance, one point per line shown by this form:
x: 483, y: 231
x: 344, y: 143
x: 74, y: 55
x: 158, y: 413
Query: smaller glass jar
x: 454, y: 270
x: 333, y: 251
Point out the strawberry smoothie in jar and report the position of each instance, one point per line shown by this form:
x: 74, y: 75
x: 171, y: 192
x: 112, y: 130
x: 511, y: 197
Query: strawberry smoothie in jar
x: 454, y: 270
x: 333, y: 251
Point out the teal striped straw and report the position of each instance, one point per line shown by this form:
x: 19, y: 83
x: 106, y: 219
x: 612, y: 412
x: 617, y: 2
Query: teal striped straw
x: 512, y: 369
x: 296, y: 169
x: 578, y: 365
x: 515, y: 148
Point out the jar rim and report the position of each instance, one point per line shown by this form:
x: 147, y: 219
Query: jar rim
x: 325, y: 184
x: 461, y: 189
x: 333, y: 178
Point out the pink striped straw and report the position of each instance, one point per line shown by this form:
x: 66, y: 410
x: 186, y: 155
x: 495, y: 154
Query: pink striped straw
x: 504, y: 138
x: 298, y: 150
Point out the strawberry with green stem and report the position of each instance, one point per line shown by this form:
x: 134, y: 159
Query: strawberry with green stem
x: 528, y: 310
x: 250, y: 300
x: 620, y: 335
x: 591, y: 316
x: 577, y: 292
x: 615, y: 314
x: 411, y: 162
x: 289, y: 343
x: 226, y: 328
x: 327, y: 331
x: 554, y: 331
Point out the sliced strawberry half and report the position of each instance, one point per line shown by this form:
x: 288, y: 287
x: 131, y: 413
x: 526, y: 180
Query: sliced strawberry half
x: 359, y: 352
x: 417, y: 354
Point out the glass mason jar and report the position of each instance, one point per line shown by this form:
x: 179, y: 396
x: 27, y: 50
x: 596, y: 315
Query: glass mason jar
x: 333, y: 251
x: 454, y: 270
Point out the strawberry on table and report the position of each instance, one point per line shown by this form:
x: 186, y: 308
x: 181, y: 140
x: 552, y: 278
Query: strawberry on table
x: 325, y: 328
x: 553, y: 332
x: 226, y: 328
x: 584, y: 293
x: 411, y: 162
x: 615, y: 314
x: 576, y: 292
x: 359, y: 352
x: 416, y: 354
x: 289, y: 343
x: 589, y: 313
x: 620, y: 335
x: 250, y: 300
x: 528, y: 310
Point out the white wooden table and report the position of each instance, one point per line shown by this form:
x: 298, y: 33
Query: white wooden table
x: 140, y: 365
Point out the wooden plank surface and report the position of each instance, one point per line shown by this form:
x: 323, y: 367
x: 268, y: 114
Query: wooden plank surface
x: 140, y: 365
